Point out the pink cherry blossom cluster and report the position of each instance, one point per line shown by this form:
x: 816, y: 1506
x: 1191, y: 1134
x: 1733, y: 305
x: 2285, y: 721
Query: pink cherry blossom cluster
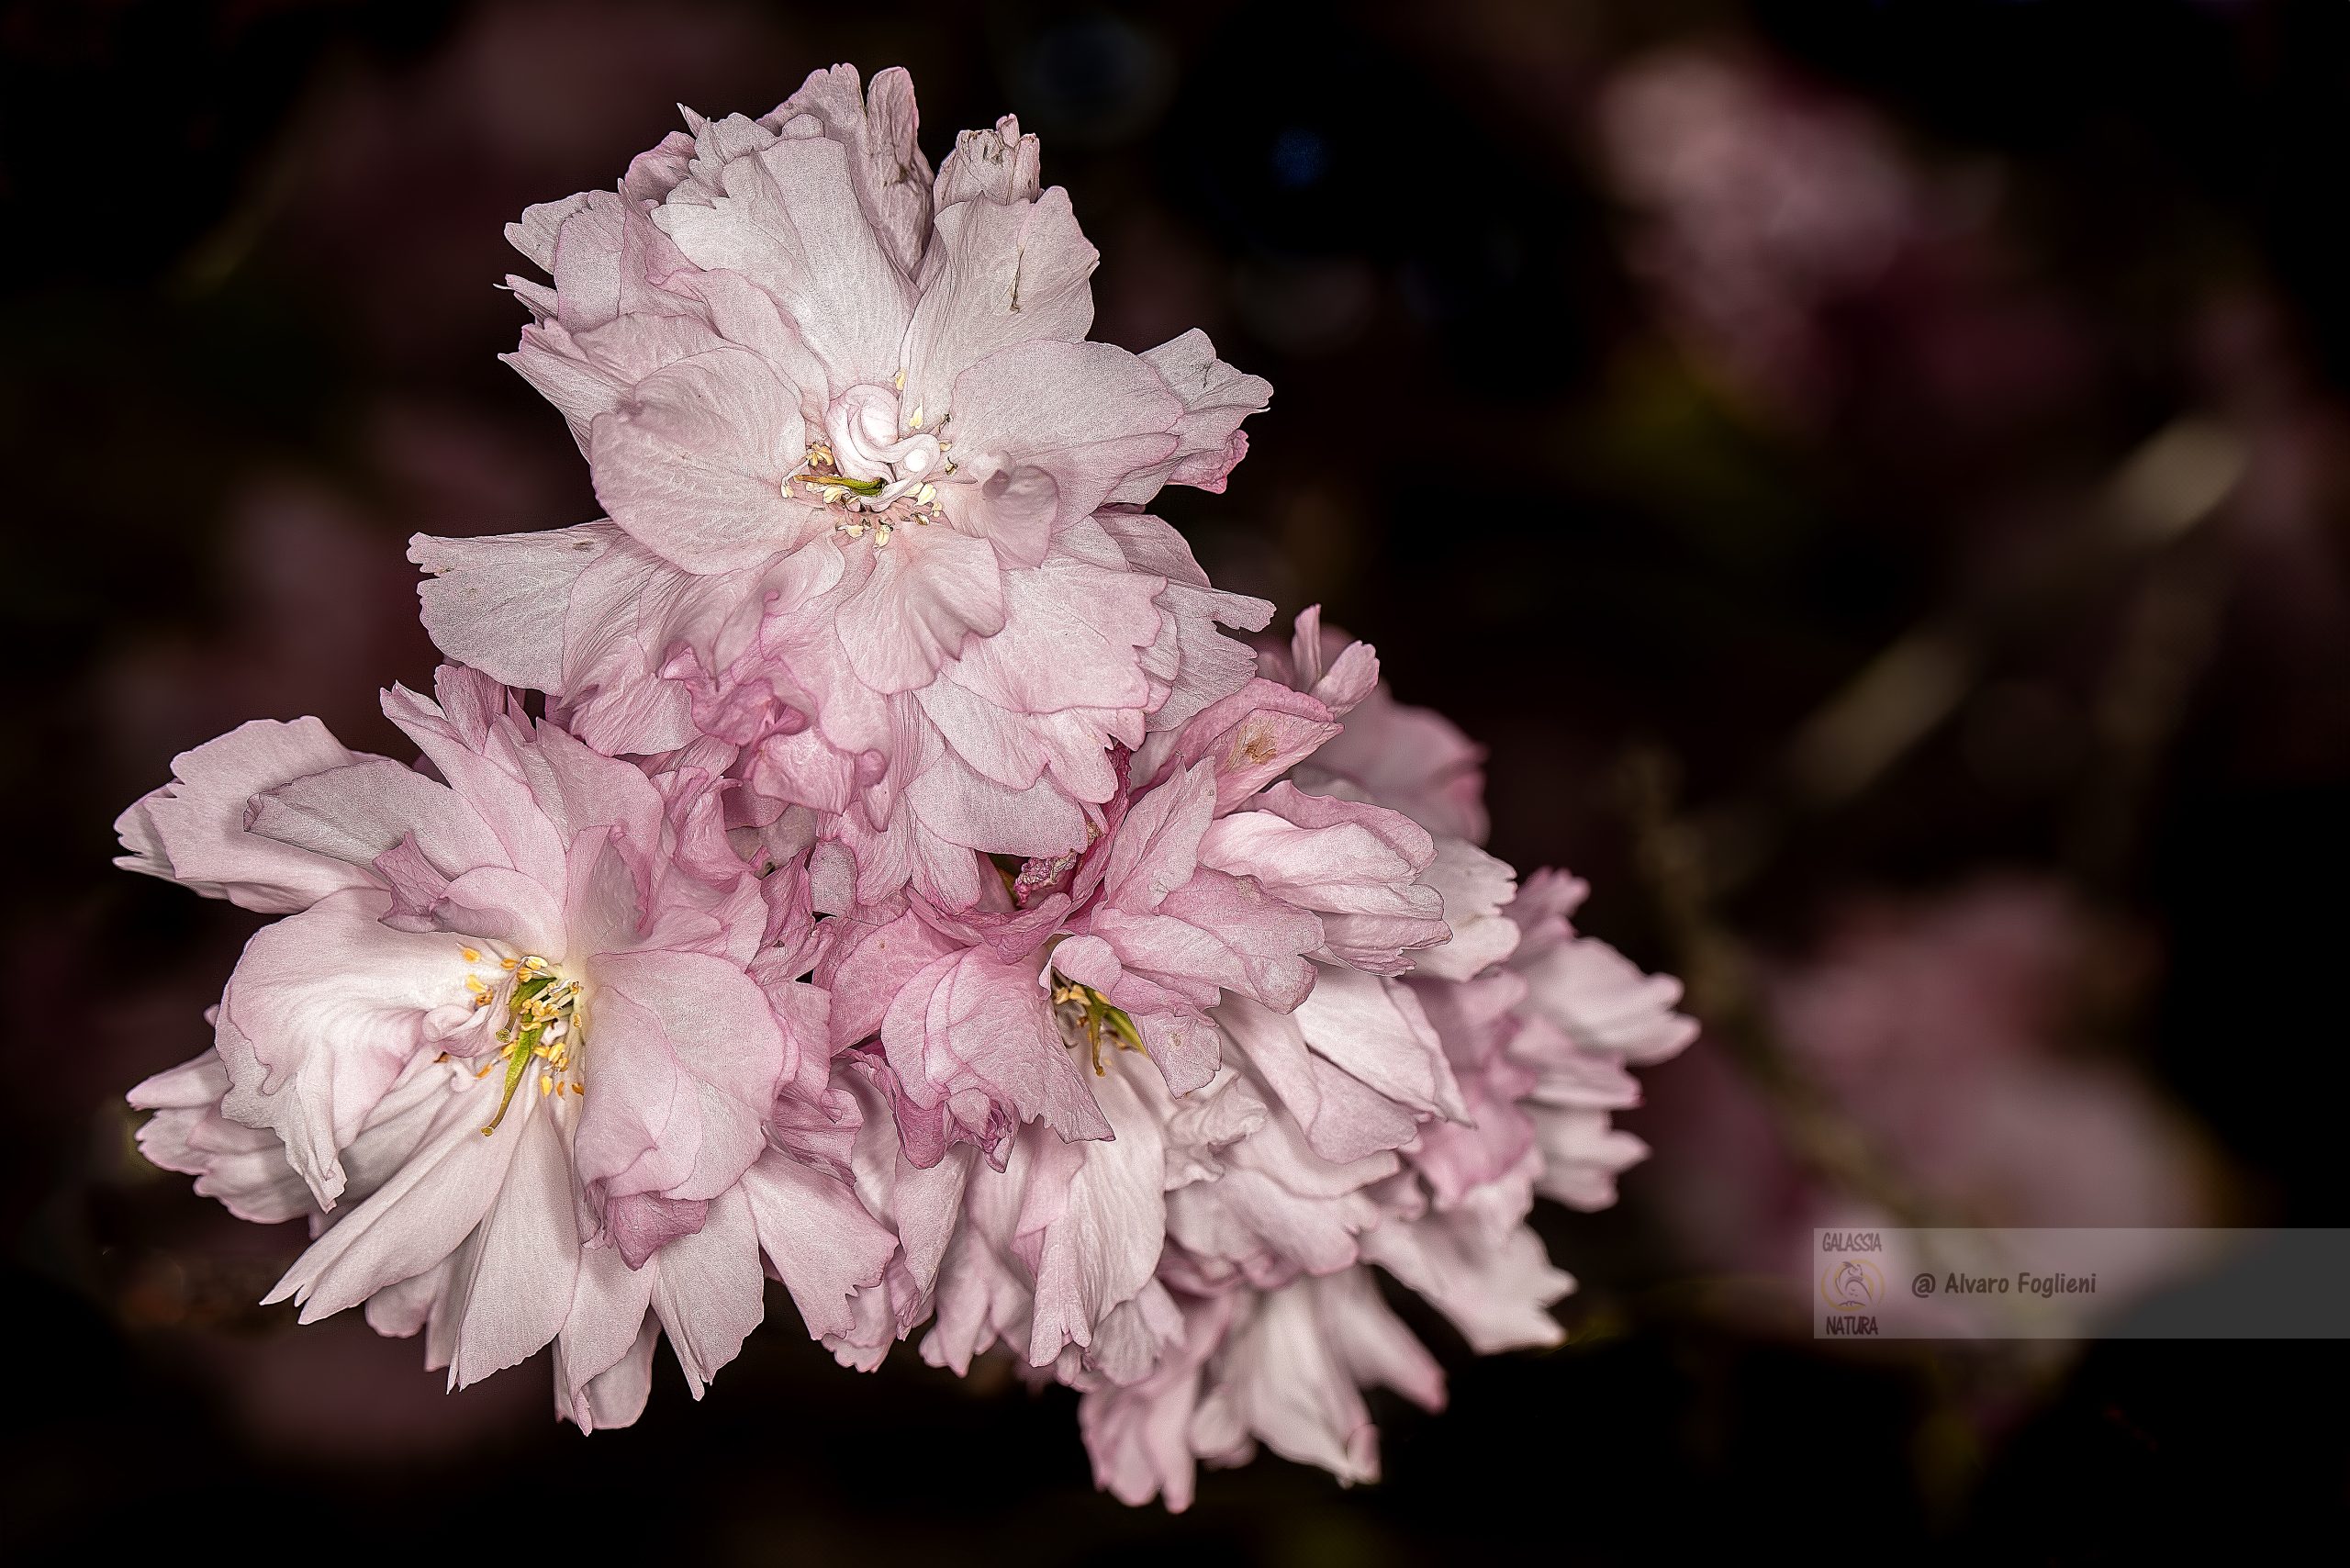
x: 901, y: 887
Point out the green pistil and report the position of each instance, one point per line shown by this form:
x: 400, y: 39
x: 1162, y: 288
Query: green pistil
x: 1093, y: 1010
x: 531, y: 1010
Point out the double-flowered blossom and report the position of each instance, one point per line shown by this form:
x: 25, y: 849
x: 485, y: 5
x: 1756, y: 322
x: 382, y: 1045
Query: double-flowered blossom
x: 1424, y: 1163
x: 515, y: 1046
x: 1187, y: 1236
x: 1059, y: 1033
x: 876, y: 501
x: 906, y: 890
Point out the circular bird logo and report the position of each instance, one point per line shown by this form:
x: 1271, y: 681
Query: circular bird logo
x: 1853, y: 1285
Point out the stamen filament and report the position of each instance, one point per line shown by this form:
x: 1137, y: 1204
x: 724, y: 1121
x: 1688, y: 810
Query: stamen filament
x: 1087, y: 1009
x: 543, y: 1023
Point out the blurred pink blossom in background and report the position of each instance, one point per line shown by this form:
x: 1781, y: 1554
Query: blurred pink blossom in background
x: 1960, y: 1036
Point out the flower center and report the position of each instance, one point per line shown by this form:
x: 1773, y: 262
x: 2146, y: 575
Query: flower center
x: 546, y: 1021
x: 1083, y: 1013
x: 876, y: 463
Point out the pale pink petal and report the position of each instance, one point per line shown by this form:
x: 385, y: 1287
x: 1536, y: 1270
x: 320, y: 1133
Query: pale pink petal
x: 1155, y: 849
x: 1582, y: 1156
x: 918, y: 605
x: 871, y: 963
x: 1139, y: 1437
x: 999, y: 274
x: 1099, y: 1220
x: 887, y: 168
x: 682, y: 1060
x: 325, y: 1012
x: 244, y: 1167
x: 1044, y: 432
x: 970, y: 1023
x: 1476, y: 887
x: 997, y: 164
x: 692, y: 463
x: 1343, y: 1118
x: 788, y: 220
x: 1494, y: 1289
x: 707, y: 1290
x: 1219, y: 930
x: 1603, y: 1001
x: 475, y: 747
x: 983, y: 1295
x: 1375, y: 1029
x: 1412, y: 760
x: 818, y: 1237
x: 1278, y: 1207
x: 402, y: 1311
x: 358, y: 812
x: 616, y: 1396
x: 193, y: 830
x: 609, y: 1303
x: 1068, y: 640
x: 1252, y: 737
x: 512, y: 1286
x: 1290, y: 1375
x: 495, y: 603
x: 1196, y: 661
x: 415, y: 1220
x: 950, y: 807
x: 1216, y: 397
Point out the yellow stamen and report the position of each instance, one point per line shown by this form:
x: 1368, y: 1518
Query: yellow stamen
x: 542, y: 1022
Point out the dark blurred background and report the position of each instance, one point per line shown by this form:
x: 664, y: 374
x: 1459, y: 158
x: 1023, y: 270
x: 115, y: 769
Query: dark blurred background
x: 1873, y: 475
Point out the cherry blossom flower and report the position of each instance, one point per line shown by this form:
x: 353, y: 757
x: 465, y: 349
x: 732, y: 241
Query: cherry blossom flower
x: 1281, y: 1199
x: 1216, y: 885
x: 1956, y: 1031
x: 1187, y: 1236
x: 875, y: 499
x: 525, y: 1045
